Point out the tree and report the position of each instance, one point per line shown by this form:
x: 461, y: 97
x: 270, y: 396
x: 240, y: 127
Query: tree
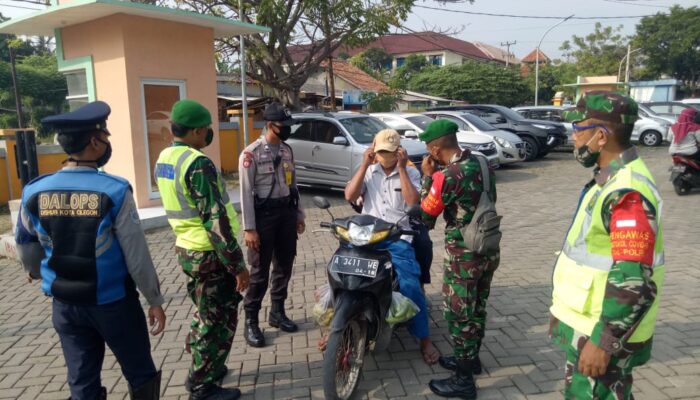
x: 473, y: 81
x: 413, y: 65
x: 322, y: 26
x: 671, y: 44
x: 598, y: 53
x: 381, y: 102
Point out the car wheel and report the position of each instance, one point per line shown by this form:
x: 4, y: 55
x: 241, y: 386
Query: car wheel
x: 532, y: 149
x: 650, y: 138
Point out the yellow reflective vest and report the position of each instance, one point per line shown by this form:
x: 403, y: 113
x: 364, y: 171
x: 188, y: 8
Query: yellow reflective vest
x: 581, y: 271
x: 180, y: 208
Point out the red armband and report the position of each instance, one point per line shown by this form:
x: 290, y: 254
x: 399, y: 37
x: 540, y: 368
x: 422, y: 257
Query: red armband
x: 631, y: 235
x: 432, y: 204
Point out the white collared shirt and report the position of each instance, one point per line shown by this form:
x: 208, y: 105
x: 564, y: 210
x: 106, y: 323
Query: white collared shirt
x: 382, y: 197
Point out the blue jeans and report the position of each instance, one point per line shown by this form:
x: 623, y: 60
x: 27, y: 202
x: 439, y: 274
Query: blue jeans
x: 408, y: 272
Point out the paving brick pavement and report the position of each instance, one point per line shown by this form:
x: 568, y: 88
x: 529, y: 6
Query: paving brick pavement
x: 537, y: 201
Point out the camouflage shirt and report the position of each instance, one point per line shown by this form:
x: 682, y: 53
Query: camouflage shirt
x: 456, y: 190
x: 630, y: 290
x: 201, y: 179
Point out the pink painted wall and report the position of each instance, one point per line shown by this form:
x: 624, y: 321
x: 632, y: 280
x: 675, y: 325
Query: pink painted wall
x: 128, y: 49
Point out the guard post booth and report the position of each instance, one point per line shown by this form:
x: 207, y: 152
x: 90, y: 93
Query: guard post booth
x: 140, y: 59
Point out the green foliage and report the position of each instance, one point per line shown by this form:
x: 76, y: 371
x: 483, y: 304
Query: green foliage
x: 413, y: 65
x: 359, y: 61
x: 42, y: 89
x: 598, y: 53
x: 474, y: 82
x: 381, y: 102
x: 671, y: 44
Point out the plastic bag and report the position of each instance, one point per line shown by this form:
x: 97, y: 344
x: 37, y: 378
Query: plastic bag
x: 322, y: 311
x: 401, y: 310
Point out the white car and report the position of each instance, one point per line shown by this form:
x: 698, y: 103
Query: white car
x: 410, y: 125
x: 509, y: 146
x: 651, y: 131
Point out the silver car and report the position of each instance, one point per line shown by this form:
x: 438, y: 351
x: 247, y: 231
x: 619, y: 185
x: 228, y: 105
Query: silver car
x: 651, y: 131
x: 510, y: 148
x: 409, y: 125
x: 328, y: 147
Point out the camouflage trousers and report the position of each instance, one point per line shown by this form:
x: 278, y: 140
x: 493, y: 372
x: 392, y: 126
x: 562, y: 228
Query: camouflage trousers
x: 615, y: 384
x: 466, y: 288
x: 213, y: 291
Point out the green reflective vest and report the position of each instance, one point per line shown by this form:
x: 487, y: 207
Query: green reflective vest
x: 181, y: 210
x: 580, y: 275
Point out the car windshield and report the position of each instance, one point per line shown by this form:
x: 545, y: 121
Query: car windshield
x: 363, y: 129
x: 510, y: 114
x: 479, y: 123
x: 420, y: 121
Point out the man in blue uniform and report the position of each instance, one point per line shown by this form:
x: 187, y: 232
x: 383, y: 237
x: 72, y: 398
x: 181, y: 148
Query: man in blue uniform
x: 79, y: 232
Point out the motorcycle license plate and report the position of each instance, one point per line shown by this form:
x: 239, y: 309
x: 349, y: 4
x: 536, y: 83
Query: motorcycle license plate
x: 355, y: 266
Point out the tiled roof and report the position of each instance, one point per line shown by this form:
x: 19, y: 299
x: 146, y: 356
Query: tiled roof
x: 356, y: 76
x: 532, y: 57
x: 497, y: 53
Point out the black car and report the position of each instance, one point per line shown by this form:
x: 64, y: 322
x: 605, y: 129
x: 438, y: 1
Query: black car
x: 540, y: 137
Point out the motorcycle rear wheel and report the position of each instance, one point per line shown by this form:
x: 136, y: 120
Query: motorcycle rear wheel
x: 343, y: 360
x: 681, y: 186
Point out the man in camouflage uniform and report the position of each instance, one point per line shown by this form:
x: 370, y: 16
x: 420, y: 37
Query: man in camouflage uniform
x: 202, y: 217
x: 608, y: 276
x: 455, y: 187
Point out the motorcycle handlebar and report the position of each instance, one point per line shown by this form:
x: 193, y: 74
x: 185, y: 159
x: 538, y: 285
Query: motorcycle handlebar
x: 409, y: 232
x: 325, y: 224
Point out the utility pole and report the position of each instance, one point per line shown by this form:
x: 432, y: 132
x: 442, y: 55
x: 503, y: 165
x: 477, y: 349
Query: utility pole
x: 244, y: 100
x: 627, y: 67
x: 331, y: 78
x: 18, y: 100
x: 507, y: 45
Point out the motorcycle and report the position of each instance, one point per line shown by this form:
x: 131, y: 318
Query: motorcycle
x: 361, y: 279
x: 685, y: 174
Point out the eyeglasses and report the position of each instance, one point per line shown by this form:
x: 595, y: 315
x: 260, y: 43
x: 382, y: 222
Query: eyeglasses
x: 580, y: 128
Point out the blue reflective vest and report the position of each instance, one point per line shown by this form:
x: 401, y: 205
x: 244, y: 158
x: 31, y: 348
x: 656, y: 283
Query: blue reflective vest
x: 73, y: 212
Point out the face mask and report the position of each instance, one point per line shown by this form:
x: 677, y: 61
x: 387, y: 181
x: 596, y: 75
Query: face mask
x: 210, y: 136
x: 585, y: 156
x: 284, y: 132
x: 104, y: 158
x: 386, y: 160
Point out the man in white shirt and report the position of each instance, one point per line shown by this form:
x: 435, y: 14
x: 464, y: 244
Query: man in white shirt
x: 387, y: 187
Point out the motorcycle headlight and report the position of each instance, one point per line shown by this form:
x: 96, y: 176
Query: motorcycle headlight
x: 360, y: 235
x: 502, y: 142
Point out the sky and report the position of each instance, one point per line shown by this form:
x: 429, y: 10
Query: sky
x: 525, y: 32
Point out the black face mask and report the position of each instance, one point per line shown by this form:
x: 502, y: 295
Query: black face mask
x: 284, y: 132
x: 210, y: 136
x: 104, y: 158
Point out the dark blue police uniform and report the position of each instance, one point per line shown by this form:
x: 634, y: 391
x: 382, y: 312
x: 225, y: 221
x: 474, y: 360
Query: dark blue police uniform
x: 79, y: 229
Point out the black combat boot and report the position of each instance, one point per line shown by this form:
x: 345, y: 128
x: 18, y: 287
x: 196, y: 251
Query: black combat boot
x: 253, y: 335
x: 278, y: 319
x: 450, y: 363
x: 461, y: 384
x: 218, y: 379
x: 147, y: 391
x: 210, y: 391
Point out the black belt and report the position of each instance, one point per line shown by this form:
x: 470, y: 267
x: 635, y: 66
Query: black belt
x: 279, y: 202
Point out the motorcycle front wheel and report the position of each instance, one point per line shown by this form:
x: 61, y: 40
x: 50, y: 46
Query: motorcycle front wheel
x: 343, y: 360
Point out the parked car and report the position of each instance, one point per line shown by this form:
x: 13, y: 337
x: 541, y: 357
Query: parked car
x: 328, y: 147
x: 540, y: 137
x: 695, y: 102
x: 509, y: 146
x: 645, y: 111
x: 670, y: 109
x: 650, y: 131
x: 410, y: 125
x: 548, y: 113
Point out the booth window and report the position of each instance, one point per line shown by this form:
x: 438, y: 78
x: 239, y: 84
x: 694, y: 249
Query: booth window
x: 77, y: 89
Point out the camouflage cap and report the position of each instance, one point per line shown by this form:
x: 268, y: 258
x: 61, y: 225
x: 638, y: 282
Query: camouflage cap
x: 604, y: 105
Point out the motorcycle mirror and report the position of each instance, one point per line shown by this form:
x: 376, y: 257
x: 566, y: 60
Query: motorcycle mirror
x: 321, y: 202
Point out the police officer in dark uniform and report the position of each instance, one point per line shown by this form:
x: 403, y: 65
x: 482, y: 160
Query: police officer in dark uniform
x: 272, y: 219
x: 79, y: 233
